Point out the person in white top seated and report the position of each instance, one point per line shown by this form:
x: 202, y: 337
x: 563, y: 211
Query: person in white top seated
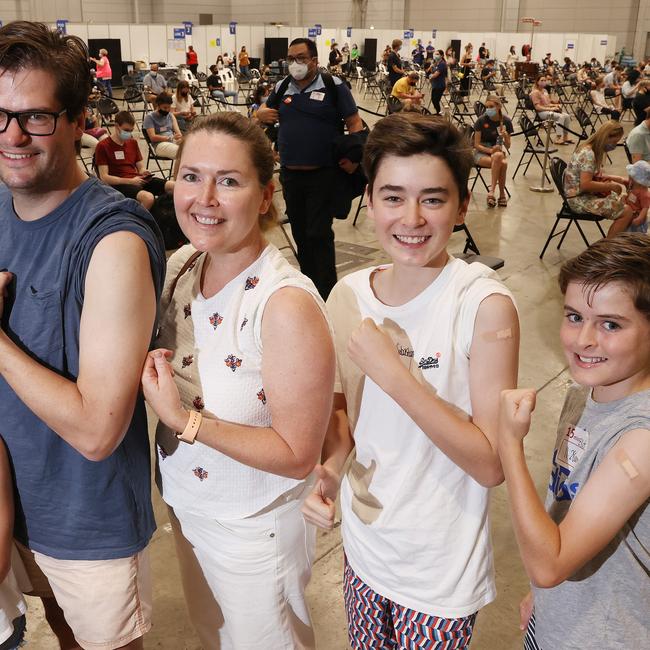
x: 243, y: 387
x: 599, y: 101
x: 423, y: 347
x: 183, y: 106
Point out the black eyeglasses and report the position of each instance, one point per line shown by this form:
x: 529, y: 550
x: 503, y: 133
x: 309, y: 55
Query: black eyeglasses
x: 299, y: 59
x: 31, y: 122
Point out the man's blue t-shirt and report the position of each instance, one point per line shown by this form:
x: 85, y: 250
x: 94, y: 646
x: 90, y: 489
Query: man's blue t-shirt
x: 68, y: 507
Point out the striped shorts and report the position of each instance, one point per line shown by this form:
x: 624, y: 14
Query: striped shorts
x: 529, y: 640
x: 377, y: 623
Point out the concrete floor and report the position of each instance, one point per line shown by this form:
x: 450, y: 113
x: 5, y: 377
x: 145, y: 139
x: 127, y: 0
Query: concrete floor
x: 516, y: 234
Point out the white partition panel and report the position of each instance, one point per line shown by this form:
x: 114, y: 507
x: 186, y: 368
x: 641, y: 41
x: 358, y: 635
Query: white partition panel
x: 200, y: 45
x: 139, y: 36
x: 243, y: 37
x: 122, y: 32
x: 157, y: 43
x: 584, y: 47
x: 176, y: 47
x: 228, y: 40
x: 213, y: 46
x: 151, y: 42
x: 567, y: 50
x: 257, y: 42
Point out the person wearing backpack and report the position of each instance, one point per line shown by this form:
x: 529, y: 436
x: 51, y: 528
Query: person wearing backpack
x: 311, y: 107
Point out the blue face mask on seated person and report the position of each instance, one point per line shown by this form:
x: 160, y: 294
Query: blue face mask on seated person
x: 491, y: 112
x: 124, y: 135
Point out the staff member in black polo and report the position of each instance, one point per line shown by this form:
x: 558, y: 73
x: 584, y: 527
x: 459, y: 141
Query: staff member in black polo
x: 311, y: 110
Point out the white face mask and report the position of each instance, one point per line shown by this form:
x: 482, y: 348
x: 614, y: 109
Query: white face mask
x: 298, y: 70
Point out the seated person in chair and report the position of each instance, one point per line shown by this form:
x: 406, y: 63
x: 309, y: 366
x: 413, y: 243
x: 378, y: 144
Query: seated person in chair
x: 491, y: 141
x: 597, y: 96
x: 183, y: 106
x: 162, y: 128
x: 548, y: 110
x: 590, y: 191
x: 216, y: 88
x: 154, y: 83
x: 405, y: 90
x: 120, y: 165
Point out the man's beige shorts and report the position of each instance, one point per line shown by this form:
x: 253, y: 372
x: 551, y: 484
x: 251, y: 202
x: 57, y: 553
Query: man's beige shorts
x: 107, y: 603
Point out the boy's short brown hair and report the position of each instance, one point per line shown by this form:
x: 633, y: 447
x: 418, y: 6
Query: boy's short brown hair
x: 410, y: 134
x: 624, y: 259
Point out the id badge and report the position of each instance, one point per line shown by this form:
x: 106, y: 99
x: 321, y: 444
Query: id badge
x: 119, y: 155
x: 317, y: 95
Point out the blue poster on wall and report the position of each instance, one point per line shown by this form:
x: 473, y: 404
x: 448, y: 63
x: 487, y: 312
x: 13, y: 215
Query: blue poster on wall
x: 408, y: 33
x: 319, y: 29
x: 61, y: 26
x: 233, y: 27
x: 433, y: 33
x: 349, y: 32
x: 179, y: 33
x: 188, y: 28
x: 312, y: 32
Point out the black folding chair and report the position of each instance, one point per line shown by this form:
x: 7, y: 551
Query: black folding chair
x: 532, y: 149
x: 107, y: 109
x: 558, y: 167
x: 166, y: 173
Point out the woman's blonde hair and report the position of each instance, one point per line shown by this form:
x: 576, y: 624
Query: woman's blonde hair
x: 249, y: 135
x: 599, y: 139
x: 495, y: 99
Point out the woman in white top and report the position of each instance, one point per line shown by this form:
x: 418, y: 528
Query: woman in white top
x: 597, y: 96
x: 183, y: 106
x: 249, y: 387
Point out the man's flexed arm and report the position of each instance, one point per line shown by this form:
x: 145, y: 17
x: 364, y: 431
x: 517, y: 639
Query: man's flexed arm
x: 93, y: 413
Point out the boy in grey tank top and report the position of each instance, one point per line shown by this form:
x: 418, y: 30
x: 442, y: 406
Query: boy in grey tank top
x: 587, y: 553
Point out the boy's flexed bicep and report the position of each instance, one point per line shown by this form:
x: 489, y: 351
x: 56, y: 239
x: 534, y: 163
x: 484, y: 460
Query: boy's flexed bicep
x: 494, y: 356
x: 618, y: 487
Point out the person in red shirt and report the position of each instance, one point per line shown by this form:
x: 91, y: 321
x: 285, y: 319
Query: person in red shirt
x: 120, y: 164
x: 192, y: 60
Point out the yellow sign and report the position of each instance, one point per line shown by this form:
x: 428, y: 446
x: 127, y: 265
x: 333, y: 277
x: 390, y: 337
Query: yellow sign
x: 328, y: 42
x: 213, y: 42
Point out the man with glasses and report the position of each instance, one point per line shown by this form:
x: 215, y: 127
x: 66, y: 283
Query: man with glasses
x: 311, y: 107
x: 82, y: 268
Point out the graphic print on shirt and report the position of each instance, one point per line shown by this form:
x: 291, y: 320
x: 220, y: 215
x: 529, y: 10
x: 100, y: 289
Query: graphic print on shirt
x: 162, y: 452
x: 426, y: 363
x: 200, y: 473
x: 567, y: 455
x: 198, y: 403
x: 243, y: 324
x: 187, y: 310
x: 261, y: 396
x: 251, y: 283
x: 215, y: 320
x: 187, y: 361
x: 232, y: 362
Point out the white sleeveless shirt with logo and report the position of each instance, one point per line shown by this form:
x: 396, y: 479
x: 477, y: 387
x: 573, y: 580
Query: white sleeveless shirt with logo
x: 217, y: 363
x: 415, y: 525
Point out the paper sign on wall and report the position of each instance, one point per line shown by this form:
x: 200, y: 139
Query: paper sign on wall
x: 179, y: 33
x: 349, y: 31
x: 603, y: 42
x: 233, y: 27
x: 433, y: 33
x: 570, y: 45
x: 61, y: 26
x: 319, y: 29
x: 188, y: 28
